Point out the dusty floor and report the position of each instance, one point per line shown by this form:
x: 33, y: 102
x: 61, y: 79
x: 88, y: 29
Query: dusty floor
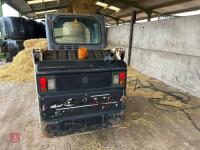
x: 145, y: 128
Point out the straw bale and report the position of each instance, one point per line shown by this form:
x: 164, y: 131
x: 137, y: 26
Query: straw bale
x: 83, y: 6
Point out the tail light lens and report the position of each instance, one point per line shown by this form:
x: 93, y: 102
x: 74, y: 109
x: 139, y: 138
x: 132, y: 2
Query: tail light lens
x: 115, y: 79
x: 51, y: 84
x: 119, y: 79
x: 43, y: 84
x: 122, y: 77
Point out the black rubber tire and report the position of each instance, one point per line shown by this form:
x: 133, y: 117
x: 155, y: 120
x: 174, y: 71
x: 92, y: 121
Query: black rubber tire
x: 8, y: 57
x: 50, y: 130
x: 13, y: 27
x: 30, y: 25
x: 13, y: 48
x: 45, y: 132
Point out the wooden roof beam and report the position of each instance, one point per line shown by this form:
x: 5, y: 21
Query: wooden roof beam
x: 167, y: 4
x: 169, y: 13
x: 185, y: 10
x: 30, y: 7
x: 48, y: 8
x: 112, y: 17
x: 136, y: 5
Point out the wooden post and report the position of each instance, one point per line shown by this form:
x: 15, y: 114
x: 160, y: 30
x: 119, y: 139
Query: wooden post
x: 133, y: 20
x: 117, y: 21
x: 149, y: 14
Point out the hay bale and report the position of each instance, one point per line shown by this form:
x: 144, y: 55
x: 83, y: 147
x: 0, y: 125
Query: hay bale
x: 83, y: 6
x: 35, y: 44
x: 41, y: 44
x: 21, y: 69
x: 80, y: 7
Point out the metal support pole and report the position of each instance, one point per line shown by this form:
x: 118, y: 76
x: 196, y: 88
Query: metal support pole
x: 133, y: 19
x: 20, y: 14
x: 117, y: 21
x: 149, y: 14
x: 1, y: 10
x: 1, y: 15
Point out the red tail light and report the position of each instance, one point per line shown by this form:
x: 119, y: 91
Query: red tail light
x: 122, y: 77
x: 43, y: 84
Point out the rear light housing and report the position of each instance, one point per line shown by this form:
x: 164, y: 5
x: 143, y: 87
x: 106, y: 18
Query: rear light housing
x: 122, y: 79
x: 43, y: 84
x: 46, y: 84
x: 119, y: 79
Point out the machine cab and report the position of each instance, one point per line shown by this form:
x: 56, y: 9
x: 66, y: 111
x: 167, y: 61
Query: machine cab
x: 69, y: 32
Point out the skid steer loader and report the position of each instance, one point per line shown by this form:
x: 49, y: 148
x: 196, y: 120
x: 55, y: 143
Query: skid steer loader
x: 78, y: 94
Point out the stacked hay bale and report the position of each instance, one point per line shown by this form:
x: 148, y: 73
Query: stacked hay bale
x: 83, y: 6
x: 80, y: 7
x: 21, y: 69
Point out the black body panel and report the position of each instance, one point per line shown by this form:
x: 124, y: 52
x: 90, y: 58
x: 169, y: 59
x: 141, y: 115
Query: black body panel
x: 84, y: 98
x: 80, y: 104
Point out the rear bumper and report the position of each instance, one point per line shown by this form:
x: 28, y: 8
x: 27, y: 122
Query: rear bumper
x: 77, y: 112
x: 84, y: 124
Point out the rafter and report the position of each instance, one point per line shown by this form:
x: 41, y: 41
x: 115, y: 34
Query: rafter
x: 167, y: 4
x: 112, y: 17
x: 49, y: 8
x: 30, y: 7
x: 185, y: 10
x: 136, y: 5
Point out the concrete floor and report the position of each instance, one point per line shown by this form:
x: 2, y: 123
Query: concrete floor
x: 145, y: 127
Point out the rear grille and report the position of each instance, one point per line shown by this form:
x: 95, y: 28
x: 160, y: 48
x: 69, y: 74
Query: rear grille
x: 61, y: 47
x: 83, y: 81
x: 71, y: 55
x: 68, y: 47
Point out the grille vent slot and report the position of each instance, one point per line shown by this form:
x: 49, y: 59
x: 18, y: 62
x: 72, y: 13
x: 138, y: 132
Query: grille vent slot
x: 69, y: 47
